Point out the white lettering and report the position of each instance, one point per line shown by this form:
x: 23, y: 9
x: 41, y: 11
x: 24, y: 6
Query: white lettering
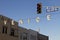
x: 48, y: 17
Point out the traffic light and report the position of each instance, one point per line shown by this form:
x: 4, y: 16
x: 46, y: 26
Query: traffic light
x: 39, y: 8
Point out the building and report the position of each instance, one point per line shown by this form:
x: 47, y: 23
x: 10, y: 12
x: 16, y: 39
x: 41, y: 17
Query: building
x: 27, y: 34
x: 32, y: 35
x: 9, y: 30
x: 42, y: 37
x: 23, y: 33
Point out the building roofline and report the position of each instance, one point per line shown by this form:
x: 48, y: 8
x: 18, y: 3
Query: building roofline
x: 7, y: 17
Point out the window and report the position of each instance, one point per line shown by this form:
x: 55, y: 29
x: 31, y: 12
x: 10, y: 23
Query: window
x: 24, y: 36
x: 32, y: 37
x: 21, y: 36
x: 4, y: 30
x: 12, y: 32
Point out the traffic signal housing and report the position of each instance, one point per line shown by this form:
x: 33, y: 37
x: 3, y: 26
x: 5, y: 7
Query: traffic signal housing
x: 39, y: 8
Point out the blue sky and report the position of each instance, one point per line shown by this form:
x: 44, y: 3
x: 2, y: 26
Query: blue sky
x: 24, y: 9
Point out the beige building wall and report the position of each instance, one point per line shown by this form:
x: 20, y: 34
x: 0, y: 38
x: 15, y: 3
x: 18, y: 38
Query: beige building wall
x: 9, y: 26
x: 42, y: 37
x: 32, y: 35
x: 27, y: 33
x: 23, y: 33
